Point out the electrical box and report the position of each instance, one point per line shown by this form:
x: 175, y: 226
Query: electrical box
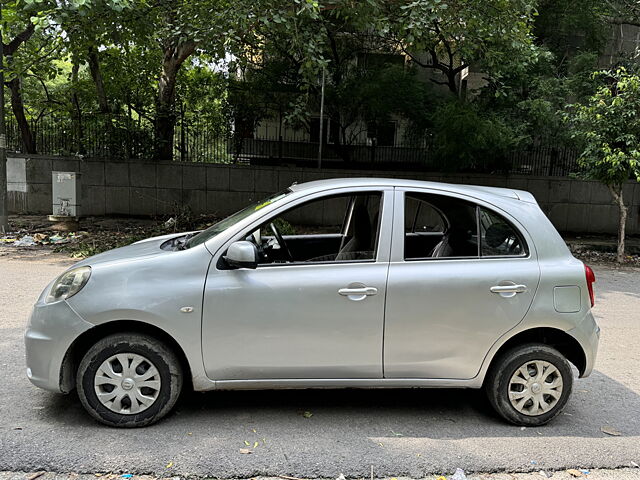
x: 66, y: 194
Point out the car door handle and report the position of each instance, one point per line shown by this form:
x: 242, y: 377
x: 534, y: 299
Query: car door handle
x: 508, y: 288
x: 347, y: 292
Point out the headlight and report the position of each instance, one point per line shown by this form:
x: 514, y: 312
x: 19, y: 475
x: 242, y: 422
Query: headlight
x: 68, y: 284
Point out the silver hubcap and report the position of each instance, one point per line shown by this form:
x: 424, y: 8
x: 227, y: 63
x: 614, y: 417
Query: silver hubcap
x: 535, y: 388
x: 127, y: 383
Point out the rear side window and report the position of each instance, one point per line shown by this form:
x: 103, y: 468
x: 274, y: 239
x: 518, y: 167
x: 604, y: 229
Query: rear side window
x: 421, y: 216
x: 498, y: 238
x: 438, y: 226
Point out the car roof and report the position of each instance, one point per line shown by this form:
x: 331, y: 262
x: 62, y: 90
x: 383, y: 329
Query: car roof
x: 476, y: 191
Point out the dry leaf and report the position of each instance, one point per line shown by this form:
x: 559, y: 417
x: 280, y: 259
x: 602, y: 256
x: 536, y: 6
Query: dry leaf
x: 247, y: 443
x: 170, y: 464
x: 610, y: 431
x: 245, y: 451
x: 307, y: 414
x: 255, y: 444
x: 575, y: 473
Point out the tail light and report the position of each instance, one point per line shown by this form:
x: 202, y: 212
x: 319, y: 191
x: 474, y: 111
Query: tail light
x: 591, y: 279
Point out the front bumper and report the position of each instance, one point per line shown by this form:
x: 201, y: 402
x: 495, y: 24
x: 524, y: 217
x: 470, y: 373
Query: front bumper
x: 587, y: 333
x: 51, y: 331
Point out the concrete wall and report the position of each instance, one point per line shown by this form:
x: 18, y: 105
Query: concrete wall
x: 146, y: 189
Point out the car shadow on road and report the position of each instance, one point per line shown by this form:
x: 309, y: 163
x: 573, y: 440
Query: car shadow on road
x: 597, y: 402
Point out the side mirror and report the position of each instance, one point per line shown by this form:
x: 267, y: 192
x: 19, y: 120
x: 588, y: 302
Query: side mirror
x: 242, y: 254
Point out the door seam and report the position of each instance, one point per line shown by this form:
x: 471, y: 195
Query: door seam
x: 386, y: 285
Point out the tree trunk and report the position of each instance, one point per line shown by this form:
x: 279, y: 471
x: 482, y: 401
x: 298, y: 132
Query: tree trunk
x: 616, y: 192
x: 96, y: 75
x: 76, y: 114
x: 17, y: 106
x: 174, y: 57
x: 103, y: 102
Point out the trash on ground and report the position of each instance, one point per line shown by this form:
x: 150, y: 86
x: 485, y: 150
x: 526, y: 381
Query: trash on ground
x: 610, y: 431
x: 245, y: 451
x: 26, y: 241
x: 575, y: 473
x: 459, y: 475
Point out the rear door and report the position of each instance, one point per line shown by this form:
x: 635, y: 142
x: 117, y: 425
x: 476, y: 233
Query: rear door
x: 444, y: 312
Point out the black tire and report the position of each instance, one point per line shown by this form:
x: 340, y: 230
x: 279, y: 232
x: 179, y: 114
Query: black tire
x: 497, y: 382
x: 157, y: 353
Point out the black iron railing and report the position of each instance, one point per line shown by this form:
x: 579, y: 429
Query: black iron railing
x: 123, y: 137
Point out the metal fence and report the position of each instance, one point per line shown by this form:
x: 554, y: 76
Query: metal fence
x: 120, y: 136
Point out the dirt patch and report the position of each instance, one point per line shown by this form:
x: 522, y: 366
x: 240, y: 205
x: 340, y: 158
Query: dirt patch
x: 33, y: 236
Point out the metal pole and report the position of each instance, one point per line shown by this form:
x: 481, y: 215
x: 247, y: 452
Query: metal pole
x: 4, y: 207
x: 321, y: 120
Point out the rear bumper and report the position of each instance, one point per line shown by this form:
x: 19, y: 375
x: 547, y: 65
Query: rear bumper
x: 587, y: 333
x: 51, y: 331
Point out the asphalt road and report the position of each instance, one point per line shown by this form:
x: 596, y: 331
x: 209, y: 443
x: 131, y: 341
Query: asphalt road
x: 399, y: 433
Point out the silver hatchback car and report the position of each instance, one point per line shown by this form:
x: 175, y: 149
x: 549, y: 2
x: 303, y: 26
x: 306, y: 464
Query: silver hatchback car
x: 359, y: 283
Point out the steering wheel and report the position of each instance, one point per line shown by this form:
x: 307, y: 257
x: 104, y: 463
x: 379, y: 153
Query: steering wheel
x: 281, y: 242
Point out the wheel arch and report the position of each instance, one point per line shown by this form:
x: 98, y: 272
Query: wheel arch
x: 553, y: 337
x: 83, y: 343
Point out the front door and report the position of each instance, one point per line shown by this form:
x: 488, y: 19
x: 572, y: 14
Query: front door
x: 461, y: 275
x: 314, y: 307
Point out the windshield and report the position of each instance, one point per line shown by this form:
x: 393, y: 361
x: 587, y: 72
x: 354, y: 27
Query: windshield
x: 231, y: 220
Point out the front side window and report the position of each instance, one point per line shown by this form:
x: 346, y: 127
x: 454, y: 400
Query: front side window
x: 338, y: 228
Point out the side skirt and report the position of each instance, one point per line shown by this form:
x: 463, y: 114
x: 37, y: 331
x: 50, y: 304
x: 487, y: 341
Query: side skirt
x: 316, y: 383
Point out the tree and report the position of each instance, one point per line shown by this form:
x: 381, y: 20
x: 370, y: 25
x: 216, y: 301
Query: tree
x: 608, y: 126
x: 20, y: 29
x: 448, y: 37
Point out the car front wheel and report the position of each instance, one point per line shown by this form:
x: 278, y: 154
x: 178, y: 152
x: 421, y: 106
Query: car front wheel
x: 129, y: 380
x: 530, y: 385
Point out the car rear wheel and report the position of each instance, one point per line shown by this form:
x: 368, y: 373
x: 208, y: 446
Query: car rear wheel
x: 129, y: 380
x: 530, y: 385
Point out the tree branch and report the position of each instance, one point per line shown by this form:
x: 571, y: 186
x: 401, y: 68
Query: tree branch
x: 13, y: 45
x: 623, y: 21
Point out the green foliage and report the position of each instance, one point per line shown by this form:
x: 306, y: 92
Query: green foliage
x: 466, y: 138
x: 494, y: 35
x: 559, y: 21
x: 535, y: 56
x: 608, y: 127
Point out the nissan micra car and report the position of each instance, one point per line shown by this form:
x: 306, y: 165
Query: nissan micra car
x: 359, y: 283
